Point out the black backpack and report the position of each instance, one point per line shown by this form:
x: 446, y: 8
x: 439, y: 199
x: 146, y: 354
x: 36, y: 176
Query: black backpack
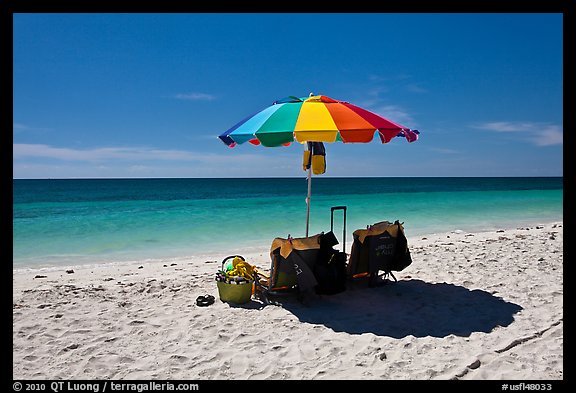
x: 402, y: 258
x: 330, y: 267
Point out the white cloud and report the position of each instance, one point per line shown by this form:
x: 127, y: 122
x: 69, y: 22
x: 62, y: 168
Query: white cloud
x: 195, y: 96
x: 505, y: 126
x: 376, y: 78
x: 415, y: 88
x: 21, y: 150
x: 444, y: 150
x: 395, y: 114
x: 540, y: 134
x: 19, y: 127
x: 138, y: 155
x: 44, y: 161
x: 549, y: 135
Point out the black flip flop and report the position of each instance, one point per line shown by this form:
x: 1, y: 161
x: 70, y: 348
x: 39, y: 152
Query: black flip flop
x: 204, y: 300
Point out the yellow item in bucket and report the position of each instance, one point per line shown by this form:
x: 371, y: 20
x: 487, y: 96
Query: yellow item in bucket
x: 241, y: 268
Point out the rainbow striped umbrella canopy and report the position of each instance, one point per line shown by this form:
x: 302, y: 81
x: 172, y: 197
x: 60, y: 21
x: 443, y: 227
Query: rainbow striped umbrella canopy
x: 313, y: 119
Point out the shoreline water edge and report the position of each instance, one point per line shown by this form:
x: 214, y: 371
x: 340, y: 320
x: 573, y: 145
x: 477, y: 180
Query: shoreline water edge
x: 82, y: 222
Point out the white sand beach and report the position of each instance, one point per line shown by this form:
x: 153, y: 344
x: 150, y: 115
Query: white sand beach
x: 472, y: 306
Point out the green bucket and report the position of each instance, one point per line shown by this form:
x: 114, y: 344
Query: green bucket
x: 235, y: 293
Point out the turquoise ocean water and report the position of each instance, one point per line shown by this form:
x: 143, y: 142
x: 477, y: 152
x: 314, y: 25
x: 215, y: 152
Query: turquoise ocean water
x: 94, y: 221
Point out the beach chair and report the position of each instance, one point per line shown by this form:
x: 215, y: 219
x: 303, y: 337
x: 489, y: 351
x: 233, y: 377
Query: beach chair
x: 291, y: 267
x: 303, y: 266
x: 379, y: 247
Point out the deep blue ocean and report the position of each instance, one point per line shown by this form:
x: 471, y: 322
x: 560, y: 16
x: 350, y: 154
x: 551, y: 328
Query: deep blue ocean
x: 93, y: 221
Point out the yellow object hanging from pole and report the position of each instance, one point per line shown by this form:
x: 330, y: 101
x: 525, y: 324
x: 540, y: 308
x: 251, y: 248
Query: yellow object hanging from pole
x: 318, y: 164
x: 306, y: 160
x: 315, y: 156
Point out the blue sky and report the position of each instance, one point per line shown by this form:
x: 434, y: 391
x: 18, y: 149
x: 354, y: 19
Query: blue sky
x: 146, y: 95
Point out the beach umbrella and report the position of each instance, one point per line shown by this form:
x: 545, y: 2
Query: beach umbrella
x: 312, y: 121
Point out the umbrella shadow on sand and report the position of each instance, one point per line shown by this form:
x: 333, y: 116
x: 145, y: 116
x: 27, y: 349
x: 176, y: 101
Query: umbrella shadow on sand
x: 407, y: 307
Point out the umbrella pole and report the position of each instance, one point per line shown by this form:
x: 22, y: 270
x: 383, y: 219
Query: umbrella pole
x: 308, y: 199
